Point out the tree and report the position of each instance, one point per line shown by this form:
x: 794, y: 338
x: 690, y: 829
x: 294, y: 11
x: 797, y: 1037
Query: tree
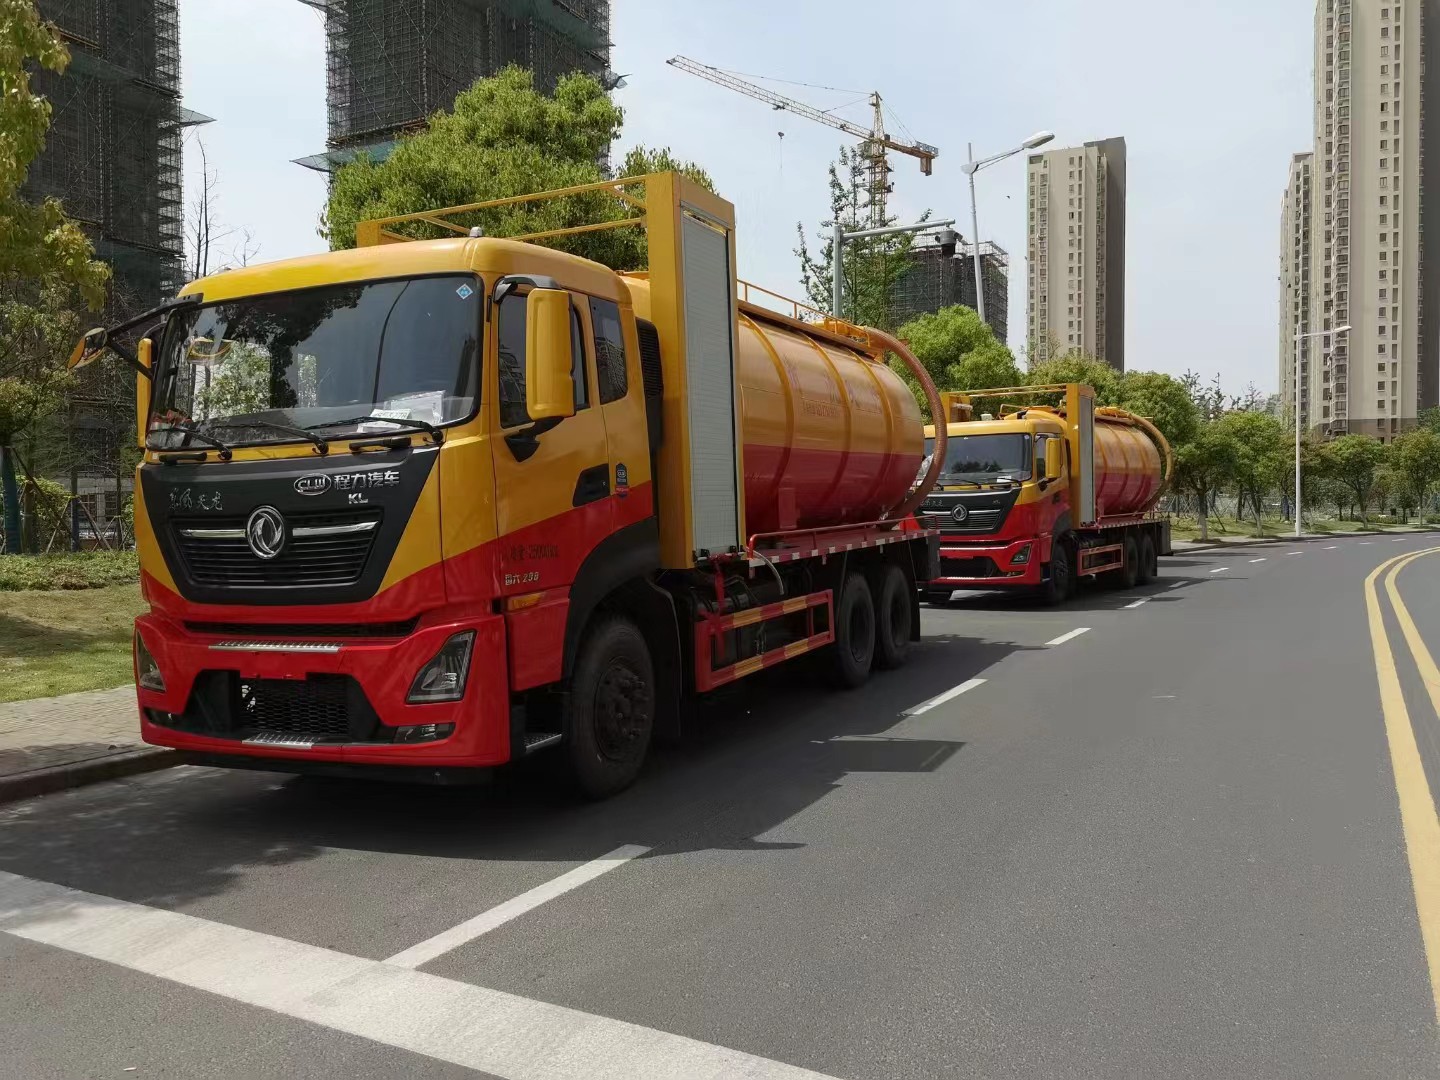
x: 1164, y: 400
x: 1356, y: 459
x: 1209, y: 398
x: 504, y: 138
x: 872, y: 267
x: 47, y: 269
x: 1202, y: 466
x: 1416, y: 456
x: 1077, y: 367
x: 204, y: 229
x: 959, y: 352
x: 1259, y: 458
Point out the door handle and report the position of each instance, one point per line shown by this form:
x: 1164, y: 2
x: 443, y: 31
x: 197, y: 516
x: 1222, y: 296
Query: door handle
x: 592, y: 485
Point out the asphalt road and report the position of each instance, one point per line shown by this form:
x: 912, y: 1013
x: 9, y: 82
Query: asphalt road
x: 1169, y: 845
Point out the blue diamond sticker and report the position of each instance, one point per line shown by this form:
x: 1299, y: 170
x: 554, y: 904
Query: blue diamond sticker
x: 464, y: 292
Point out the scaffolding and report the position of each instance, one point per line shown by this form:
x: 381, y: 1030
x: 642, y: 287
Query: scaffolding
x: 390, y: 64
x: 935, y: 280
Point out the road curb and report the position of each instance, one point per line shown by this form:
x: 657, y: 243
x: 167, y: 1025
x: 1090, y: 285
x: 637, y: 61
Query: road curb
x: 79, y: 774
x: 1211, y: 545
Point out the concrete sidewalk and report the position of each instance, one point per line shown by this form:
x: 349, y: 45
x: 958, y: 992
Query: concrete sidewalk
x: 47, y: 744
x: 1242, y: 541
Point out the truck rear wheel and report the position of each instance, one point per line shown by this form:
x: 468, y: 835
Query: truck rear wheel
x: 612, y: 708
x: 1149, y: 561
x: 893, y: 618
x: 854, y: 647
x: 1129, y: 572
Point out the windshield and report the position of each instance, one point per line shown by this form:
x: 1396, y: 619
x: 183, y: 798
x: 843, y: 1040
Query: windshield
x: 397, y: 350
x: 983, y: 457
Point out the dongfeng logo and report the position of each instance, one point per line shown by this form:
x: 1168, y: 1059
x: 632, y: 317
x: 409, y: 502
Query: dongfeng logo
x: 265, y: 532
x: 313, y: 484
x: 960, y: 513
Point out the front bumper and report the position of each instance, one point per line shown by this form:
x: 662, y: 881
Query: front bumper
x: 990, y: 566
x: 361, y: 683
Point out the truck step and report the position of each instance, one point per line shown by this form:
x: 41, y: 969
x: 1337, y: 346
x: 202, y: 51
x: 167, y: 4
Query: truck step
x: 538, y: 740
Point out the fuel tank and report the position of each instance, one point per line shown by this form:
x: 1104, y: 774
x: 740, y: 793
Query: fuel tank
x: 831, y: 435
x: 1128, y: 470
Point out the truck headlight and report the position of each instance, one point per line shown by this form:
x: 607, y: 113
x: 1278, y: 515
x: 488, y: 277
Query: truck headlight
x: 1021, y: 557
x: 443, y: 678
x: 147, y: 672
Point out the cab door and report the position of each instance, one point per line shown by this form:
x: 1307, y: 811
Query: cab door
x: 620, y: 394
x: 552, y: 479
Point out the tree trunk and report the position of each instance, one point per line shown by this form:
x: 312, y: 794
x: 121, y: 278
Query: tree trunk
x: 1204, y: 520
x: 10, y: 492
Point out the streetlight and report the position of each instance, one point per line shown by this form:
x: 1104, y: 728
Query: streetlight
x: 839, y: 237
x: 1298, y: 339
x: 970, y: 168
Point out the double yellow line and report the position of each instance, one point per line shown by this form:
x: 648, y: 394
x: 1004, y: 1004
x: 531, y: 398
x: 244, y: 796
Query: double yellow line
x: 1417, y: 808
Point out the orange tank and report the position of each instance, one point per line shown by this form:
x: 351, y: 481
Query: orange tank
x: 831, y: 436
x: 1128, y: 471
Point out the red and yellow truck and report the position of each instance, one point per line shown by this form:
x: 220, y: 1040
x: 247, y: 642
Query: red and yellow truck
x: 429, y: 506
x: 1038, y: 496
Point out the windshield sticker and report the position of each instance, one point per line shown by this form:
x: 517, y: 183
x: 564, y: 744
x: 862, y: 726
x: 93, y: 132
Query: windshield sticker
x: 388, y: 414
x: 464, y: 292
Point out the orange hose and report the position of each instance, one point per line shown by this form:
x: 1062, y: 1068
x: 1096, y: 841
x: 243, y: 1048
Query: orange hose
x: 937, y: 457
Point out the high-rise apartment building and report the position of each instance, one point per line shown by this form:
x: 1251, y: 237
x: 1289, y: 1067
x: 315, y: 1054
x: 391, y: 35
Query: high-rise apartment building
x: 1296, y: 285
x: 1375, y: 245
x: 391, y: 63
x: 935, y: 280
x: 1077, y: 252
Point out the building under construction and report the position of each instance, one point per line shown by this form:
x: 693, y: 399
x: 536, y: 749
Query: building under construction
x: 392, y: 63
x: 113, y: 153
x: 936, y: 280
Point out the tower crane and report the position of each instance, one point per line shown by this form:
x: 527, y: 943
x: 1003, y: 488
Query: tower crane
x: 875, y: 140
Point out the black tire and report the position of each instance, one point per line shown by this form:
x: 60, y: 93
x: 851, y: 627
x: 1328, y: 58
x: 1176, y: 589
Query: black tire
x: 1059, y: 581
x: 1149, y: 562
x: 1129, y: 572
x: 612, y: 708
x: 893, y: 618
x: 854, y: 648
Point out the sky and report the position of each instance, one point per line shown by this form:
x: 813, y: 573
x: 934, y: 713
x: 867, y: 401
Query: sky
x: 1212, y: 98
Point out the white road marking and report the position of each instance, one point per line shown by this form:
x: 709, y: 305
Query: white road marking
x: 1366, y: 543
x: 500, y: 914
x: 1219, y: 569
x: 1257, y: 560
x: 1137, y: 603
x: 1398, y: 540
x: 1178, y: 584
x: 1294, y: 553
x: 940, y: 699
x: 501, y: 1034
x: 1066, y: 637
x: 1330, y: 547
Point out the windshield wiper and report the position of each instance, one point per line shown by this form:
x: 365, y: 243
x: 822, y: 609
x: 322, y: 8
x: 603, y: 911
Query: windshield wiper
x: 436, y: 435
x: 288, y: 429
x: 177, y: 454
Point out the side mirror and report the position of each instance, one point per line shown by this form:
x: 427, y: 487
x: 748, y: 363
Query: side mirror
x: 88, y: 349
x: 144, y: 353
x: 549, y: 386
x: 1054, y: 458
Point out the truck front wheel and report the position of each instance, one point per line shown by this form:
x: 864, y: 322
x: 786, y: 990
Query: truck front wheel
x: 854, y: 646
x: 612, y: 708
x: 1060, y: 582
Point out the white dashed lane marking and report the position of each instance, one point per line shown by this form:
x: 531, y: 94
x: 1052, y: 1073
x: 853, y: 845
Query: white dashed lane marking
x: 1219, y: 569
x: 500, y: 914
x: 1137, y: 603
x: 940, y: 699
x: 1257, y: 560
x: 1067, y: 637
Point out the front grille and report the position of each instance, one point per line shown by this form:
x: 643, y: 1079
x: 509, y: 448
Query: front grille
x: 314, y: 708
x: 215, y: 552
x: 319, y: 708
x: 977, y: 521
x: 978, y: 567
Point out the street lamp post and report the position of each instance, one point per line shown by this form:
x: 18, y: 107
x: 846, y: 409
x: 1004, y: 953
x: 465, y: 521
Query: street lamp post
x: 838, y: 239
x: 1298, y: 339
x: 970, y: 168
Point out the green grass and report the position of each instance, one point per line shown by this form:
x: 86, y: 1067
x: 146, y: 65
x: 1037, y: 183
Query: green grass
x: 1188, y: 528
x: 81, y: 570
x: 57, y: 642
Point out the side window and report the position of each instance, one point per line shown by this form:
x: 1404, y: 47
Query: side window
x: 511, y: 332
x: 609, y: 350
